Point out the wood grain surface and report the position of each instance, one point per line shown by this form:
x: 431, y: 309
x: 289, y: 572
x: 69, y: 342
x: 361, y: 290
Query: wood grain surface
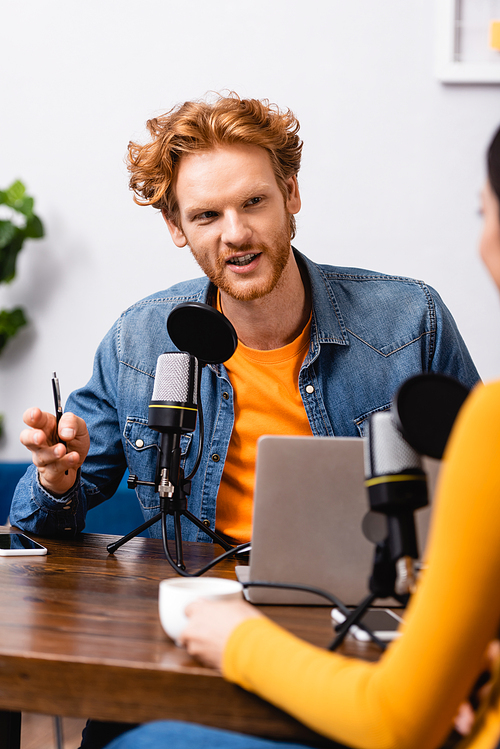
x: 80, y: 636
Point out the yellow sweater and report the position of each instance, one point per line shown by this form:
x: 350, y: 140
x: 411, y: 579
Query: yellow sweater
x: 408, y: 699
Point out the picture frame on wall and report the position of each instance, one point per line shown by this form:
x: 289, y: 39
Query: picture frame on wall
x: 468, y: 41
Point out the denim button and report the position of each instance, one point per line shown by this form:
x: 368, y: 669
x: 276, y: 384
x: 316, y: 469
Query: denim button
x: 310, y: 389
x: 225, y: 396
x: 215, y: 458
x: 139, y: 443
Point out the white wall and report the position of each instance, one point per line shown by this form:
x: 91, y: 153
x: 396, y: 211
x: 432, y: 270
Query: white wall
x: 392, y: 165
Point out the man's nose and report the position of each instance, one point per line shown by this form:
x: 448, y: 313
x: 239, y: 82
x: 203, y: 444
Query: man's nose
x: 236, y: 229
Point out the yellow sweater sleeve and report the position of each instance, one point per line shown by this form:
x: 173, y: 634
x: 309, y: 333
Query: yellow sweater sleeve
x: 406, y: 700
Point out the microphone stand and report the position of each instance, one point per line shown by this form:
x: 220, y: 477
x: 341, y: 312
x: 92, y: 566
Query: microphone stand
x: 175, y: 505
x: 174, y: 488
x: 173, y: 501
x: 382, y: 585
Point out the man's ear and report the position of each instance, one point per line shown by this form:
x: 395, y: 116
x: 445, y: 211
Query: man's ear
x: 178, y: 236
x: 293, y: 201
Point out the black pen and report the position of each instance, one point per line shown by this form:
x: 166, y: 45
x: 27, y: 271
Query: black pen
x: 58, y: 407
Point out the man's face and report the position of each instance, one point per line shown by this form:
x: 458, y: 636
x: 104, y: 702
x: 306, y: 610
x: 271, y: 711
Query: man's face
x: 234, y: 218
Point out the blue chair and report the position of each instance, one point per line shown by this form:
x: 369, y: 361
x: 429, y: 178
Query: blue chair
x: 10, y: 473
x: 118, y: 516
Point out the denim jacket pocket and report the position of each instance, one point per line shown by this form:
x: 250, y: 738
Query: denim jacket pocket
x: 141, y: 447
x: 139, y: 438
x: 361, y: 420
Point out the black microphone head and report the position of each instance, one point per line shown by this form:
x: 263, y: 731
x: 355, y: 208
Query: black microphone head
x: 396, y: 485
x: 203, y: 332
x: 425, y: 408
x: 393, y: 468
x: 174, y: 403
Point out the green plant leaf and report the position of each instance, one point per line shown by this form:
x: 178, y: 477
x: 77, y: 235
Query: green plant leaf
x: 11, y: 236
x: 7, y: 233
x: 15, y: 192
x: 11, y: 241
x: 8, y: 257
x: 10, y: 322
x: 34, y: 228
x: 24, y: 206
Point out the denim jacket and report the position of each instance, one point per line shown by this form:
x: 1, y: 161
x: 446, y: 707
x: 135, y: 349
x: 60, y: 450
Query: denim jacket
x: 369, y: 333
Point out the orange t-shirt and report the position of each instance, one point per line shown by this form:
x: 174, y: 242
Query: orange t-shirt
x: 266, y: 401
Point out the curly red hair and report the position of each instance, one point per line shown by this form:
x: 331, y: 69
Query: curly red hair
x: 200, y: 125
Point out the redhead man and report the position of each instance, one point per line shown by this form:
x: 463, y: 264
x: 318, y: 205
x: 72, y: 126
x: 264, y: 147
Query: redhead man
x: 320, y: 347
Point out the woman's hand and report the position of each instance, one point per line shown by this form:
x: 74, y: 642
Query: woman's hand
x: 210, y: 625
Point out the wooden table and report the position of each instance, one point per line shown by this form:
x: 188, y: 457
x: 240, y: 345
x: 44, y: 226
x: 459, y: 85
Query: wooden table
x: 80, y: 636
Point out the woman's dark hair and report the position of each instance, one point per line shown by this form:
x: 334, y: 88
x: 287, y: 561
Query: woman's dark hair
x: 493, y: 163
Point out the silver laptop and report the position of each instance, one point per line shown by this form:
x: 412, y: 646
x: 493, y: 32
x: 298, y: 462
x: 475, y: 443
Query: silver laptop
x: 309, y: 503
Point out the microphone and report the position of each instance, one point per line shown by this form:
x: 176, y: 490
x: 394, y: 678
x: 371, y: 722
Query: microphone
x: 397, y: 486
x: 425, y: 408
x: 202, y: 331
x: 173, y: 411
x: 421, y: 418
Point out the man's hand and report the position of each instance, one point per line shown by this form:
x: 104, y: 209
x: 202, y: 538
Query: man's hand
x: 57, y: 465
x: 210, y: 624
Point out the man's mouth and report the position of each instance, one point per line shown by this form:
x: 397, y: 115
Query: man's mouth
x: 243, y: 259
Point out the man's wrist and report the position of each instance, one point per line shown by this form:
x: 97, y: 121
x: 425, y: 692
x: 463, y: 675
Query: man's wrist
x: 57, y: 496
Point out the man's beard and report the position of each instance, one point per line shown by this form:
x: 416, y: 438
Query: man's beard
x: 278, y: 253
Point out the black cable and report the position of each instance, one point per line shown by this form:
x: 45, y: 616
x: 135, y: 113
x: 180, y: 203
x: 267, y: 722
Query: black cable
x: 235, y: 550
x: 201, y: 429
x: 324, y: 594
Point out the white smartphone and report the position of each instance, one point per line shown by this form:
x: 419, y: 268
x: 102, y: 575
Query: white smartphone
x: 17, y: 544
x: 383, y: 623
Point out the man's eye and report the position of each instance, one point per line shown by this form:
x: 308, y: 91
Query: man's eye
x: 254, y: 201
x: 206, y: 215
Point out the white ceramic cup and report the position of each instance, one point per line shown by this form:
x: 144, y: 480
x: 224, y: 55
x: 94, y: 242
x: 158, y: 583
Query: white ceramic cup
x: 176, y: 593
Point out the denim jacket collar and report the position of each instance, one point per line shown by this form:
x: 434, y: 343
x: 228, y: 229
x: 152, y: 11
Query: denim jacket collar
x: 328, y: 325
